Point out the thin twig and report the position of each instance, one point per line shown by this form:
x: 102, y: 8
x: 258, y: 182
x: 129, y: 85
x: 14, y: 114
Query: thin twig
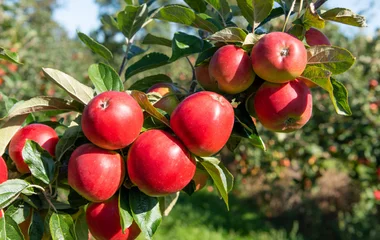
x: 192, y: 68
x: 319, y: 3
x: 287, y: 18
x: 300, y: 8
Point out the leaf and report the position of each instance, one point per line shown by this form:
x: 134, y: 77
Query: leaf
x: 184, y: 44
x: 205, y: 56
x: 110, y: 21
x: 149, y: 61
x: 197, y: 5
x: 145, y: 83
x: 126, y: 218
x: 104, y: 78
x: 60, y: 226
x: 246, y: 9
x: 134, y: 51
x: 95, y: 46
x: 298, y: 31
x: 233, y: 142
x: 73, y: 87
x: 312, y: 19
x: 184, y: 15
x: 152, y: 39
x: 9, y: 129
x: 221, y: 6
x: 131, y: 19
x: 261, y: 10
x: 41, y: 164
x: 8, y: 101
x: 40, y: 104
x: 250, y: 40
x: 229, y: 35
x: 244, y: 127
x: 223, y: 179
x: 36, y: 229
x: 9, y: 230
x: 275, y: 13
x: 10, y: 190
x: 146, y: 105
x: 67, y: 141
x: 167, y: 203
x: 337, y: 92
x: 145, y: 211
x: 9, y: 56
x: 18, y: 212
x: 80, y: 227
x: 335, y: 59
x: 345, y: 16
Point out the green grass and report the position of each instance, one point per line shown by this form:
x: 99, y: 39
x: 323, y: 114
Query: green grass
x: 204, y: 216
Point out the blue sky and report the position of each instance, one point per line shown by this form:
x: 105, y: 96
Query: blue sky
x: 82, y: 15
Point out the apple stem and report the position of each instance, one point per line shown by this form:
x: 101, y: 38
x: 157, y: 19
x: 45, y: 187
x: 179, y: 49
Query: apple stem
x: 288, y: 16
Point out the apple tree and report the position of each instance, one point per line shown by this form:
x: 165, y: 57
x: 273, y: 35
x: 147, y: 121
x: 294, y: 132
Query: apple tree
x: 114, y: 164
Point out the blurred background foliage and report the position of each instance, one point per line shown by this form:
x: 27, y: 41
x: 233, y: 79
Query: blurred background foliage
x: 317, y: 183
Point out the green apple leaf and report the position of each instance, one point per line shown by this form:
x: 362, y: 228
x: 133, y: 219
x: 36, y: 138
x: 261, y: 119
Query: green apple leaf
x: 145, y: 83
x: 81, y: 227
x: 167, y: 203
x: 205, y: 56
x: 95, y: 46
x: 198, y: 6
x: 42, y: 104
x: 126, y: 218
x: 9, y: 56
x: 221, y: 6
x: 246, y: 8
x: 146, y: 212
x: 147, y: 106
x: 152, y: 39
x: 9, y: 229
x: 229, y: 35
x: 275, y: 13
x: 60, y: 226
x: 18, y: 212
x: 104, y: 78
x: 334, y: 59
x: 337, y: 92
x: 222, y: 178
x: 250, y: 40
x: 184, y: 15
x: 298, y: 31
x: 67, y: 141
x: 73, y: 87
x: 312, y: 19
x: 110, y: 21
x: 184, y: 44
x: 36, y: 228
x: 9, y: 129
x: 245, y: 127
x: 131, y: 19
x: 261, y: 10
x: 40, y: 162
x: 233, y: 142
x: 10, y: 190
x: 149, y: 61
x: 135, y: 51
x: 345, y: 16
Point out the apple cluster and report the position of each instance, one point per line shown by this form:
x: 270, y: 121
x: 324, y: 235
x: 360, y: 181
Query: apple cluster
x: 283, y: 102
x: 158, y: 162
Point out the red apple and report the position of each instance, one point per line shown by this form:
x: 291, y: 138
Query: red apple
x: 159, y: 164
x: 1, y: 213
x: 169, y: 100
x: 203, y: 122
x: 283, y: 107
x: 279, y: 57
x: 200, y: 179
x: 95, y: 173
x: 203, y: 77
x: 230, y: 67
x: 373, y: 83
x: 376, y: 194
x: 315, y: 37
x: 112, y: 120
x: 44, y: 135
x: 103, y: 220
x: 3, y: 170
